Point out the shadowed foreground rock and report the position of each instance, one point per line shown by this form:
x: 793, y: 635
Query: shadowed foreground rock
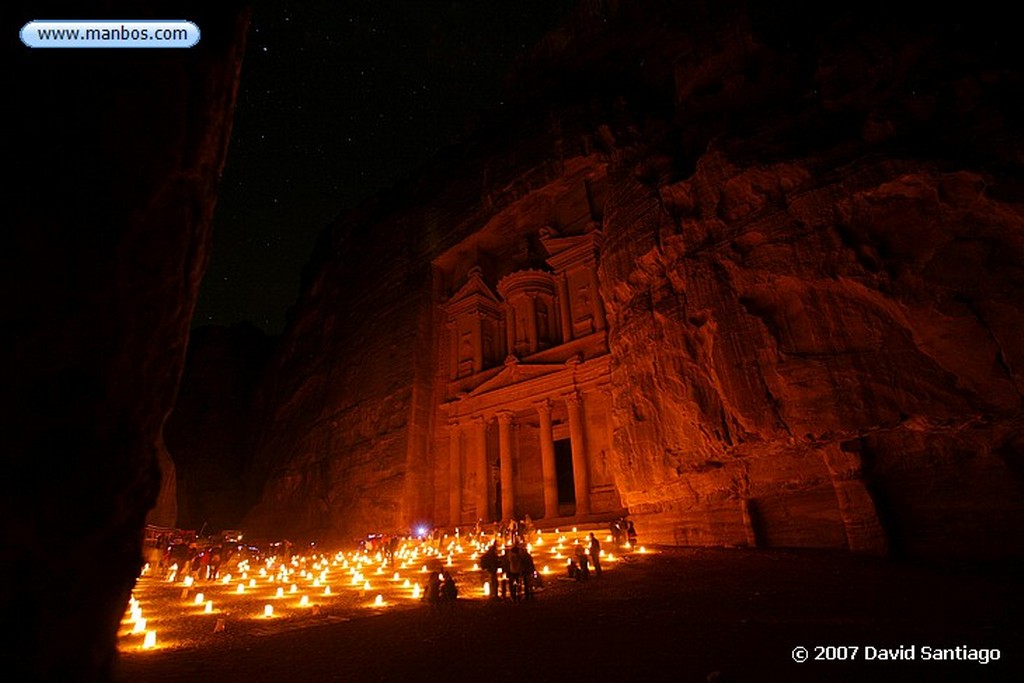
x: 118, y: 157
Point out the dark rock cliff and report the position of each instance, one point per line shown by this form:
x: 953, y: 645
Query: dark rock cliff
x: 115, y: 160
x: 813, y: 225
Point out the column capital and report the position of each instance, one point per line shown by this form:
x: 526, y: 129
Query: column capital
x: 505, y: 417
x: 478, y: 420
x: 543, y: 406
x: 573, y: 398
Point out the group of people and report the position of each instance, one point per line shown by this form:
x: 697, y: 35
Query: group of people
x: 201, y: 563
x: 623, y: 532
x: 509, y: 567
x: 441, y: 587
x: 511, y: 574
x: 584, y: 558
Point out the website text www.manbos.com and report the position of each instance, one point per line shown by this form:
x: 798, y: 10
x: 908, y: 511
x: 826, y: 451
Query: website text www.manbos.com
x: 121, y: 33
x: 48, y: 33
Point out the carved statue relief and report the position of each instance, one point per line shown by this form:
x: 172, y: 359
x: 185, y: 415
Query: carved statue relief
x: 543, y: 323
x: 488, y: 345
x: 584, y: 307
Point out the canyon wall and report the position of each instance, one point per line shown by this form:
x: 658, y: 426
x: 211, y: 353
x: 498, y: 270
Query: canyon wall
x: 116, y: 159
x: 813, y: 227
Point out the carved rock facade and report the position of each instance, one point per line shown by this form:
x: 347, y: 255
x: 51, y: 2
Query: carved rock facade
x: 753, y: 283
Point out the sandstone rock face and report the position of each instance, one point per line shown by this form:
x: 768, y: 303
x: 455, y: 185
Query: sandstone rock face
x: 802, y: 374
x: 811, y: 270
x: 118, y: 157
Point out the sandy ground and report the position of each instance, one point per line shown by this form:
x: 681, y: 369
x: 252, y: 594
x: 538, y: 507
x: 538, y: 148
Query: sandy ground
x: 678, y: 615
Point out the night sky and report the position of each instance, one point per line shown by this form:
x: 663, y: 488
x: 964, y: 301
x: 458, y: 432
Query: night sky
x: 337, y: 101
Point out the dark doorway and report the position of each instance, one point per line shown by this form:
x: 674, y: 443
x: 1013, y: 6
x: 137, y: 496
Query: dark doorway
x: 563, y: 472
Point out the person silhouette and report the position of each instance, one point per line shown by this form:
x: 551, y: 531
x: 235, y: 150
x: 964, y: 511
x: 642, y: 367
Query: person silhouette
x: 595, y: 554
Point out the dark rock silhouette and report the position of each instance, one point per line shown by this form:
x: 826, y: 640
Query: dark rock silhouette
x: 116, y: 160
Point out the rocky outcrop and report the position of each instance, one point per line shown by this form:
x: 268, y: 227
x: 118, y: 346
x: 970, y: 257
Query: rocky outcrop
x: 825, y: 356
x: 117, y: 159
x: 812, y: 257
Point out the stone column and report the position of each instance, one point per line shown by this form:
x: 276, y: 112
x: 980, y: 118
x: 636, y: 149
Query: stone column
x: 596, y: 304
x: 453, y: 335
x: 480, y: 465
x: 531, y: 323
x: 564, y: 310
x: 505, y: 451
x: 510, y: 329
x: 478, y: 344
x: 547, y: 460
x: 577, y: 432
x: 455, y: 475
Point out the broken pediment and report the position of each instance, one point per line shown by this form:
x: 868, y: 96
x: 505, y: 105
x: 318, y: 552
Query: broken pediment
x: 566, y: 253
x: 473, y: 295
x: 515, y: 373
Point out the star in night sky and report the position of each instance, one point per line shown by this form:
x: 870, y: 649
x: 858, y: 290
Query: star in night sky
x: 337, y: 101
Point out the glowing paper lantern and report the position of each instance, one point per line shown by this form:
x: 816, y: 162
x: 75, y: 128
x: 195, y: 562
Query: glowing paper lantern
x: 304, y: 601
x: 379, y: 600
x: 241, y: 588
x: 199, y: 598
x: 209, y: 607
x: 268, y: 610
x: 150, y: 641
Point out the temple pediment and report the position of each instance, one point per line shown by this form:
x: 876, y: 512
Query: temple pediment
x: 473, y: 294
x: 515, y: 373
x: 572, y: 251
